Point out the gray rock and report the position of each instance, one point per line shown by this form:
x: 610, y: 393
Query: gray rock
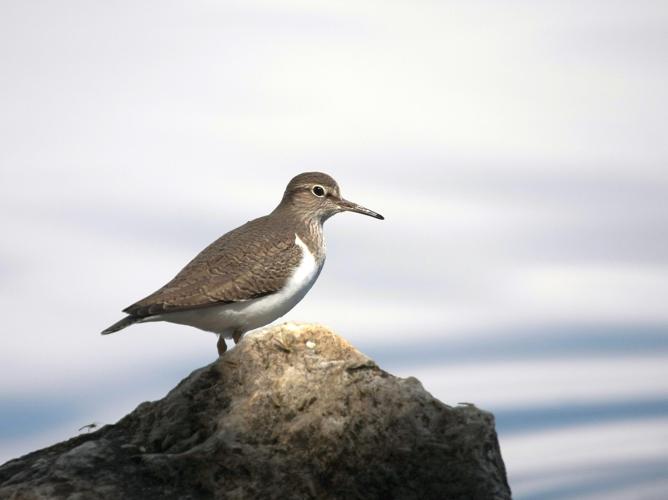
x: 293, y: 412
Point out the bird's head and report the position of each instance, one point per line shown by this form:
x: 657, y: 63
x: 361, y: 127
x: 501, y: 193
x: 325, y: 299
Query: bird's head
x: 317, y: 195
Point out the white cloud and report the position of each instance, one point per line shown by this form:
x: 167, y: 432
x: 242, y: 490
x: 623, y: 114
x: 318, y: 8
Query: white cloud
x: 509, y: 383
x: 571, y: 456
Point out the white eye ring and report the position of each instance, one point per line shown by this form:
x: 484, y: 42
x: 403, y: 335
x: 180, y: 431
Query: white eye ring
x: 319, y: 191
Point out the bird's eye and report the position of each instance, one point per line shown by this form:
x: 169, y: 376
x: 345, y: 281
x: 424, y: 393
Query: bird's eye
x: 318, y: 191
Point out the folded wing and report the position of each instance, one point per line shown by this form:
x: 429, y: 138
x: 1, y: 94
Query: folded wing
x: 251, y: 261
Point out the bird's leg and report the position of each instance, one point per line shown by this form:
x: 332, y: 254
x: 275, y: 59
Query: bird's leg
x: 237, y: 336
x: 222, y: 346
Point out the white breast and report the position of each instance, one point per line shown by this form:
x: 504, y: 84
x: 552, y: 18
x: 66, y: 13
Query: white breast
x: 251, y: 314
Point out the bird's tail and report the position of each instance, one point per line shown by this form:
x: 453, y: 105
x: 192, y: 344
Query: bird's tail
x: 119, y: 325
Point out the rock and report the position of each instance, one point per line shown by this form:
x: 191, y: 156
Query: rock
x: 293, y: 412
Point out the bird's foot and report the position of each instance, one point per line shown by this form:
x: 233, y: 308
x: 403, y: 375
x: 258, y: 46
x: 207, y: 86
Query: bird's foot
x: 236, y: 336
x: 222, y: 346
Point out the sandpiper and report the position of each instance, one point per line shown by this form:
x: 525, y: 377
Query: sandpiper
x: 254, y: 274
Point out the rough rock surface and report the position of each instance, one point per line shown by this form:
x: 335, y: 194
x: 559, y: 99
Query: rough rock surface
x: 293, y: 412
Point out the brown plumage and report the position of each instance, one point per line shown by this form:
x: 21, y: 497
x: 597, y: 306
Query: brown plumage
x: 253, y: 261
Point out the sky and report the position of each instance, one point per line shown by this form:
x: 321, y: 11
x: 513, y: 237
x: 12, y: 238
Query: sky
x: 517, y: 149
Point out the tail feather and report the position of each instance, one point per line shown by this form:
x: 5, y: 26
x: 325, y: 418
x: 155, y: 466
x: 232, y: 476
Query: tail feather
x: 119, y: 325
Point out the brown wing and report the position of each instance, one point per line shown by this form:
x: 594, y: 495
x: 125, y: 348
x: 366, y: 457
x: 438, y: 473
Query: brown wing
x: 249, y: 262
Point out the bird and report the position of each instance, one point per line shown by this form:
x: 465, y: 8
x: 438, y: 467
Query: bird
x: 255, y: 273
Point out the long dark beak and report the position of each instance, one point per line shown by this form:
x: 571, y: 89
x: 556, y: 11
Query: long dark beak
x: 354, y: 207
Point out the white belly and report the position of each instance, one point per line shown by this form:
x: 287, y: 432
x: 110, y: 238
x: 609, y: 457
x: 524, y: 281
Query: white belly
x: 251, y: 314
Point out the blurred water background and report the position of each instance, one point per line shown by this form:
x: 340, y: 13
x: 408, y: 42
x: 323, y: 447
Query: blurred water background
x: 517, y: 149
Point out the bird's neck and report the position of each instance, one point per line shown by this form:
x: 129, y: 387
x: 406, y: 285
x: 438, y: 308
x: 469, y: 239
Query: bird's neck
x: 307, y: 227
x: 314, y: 238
